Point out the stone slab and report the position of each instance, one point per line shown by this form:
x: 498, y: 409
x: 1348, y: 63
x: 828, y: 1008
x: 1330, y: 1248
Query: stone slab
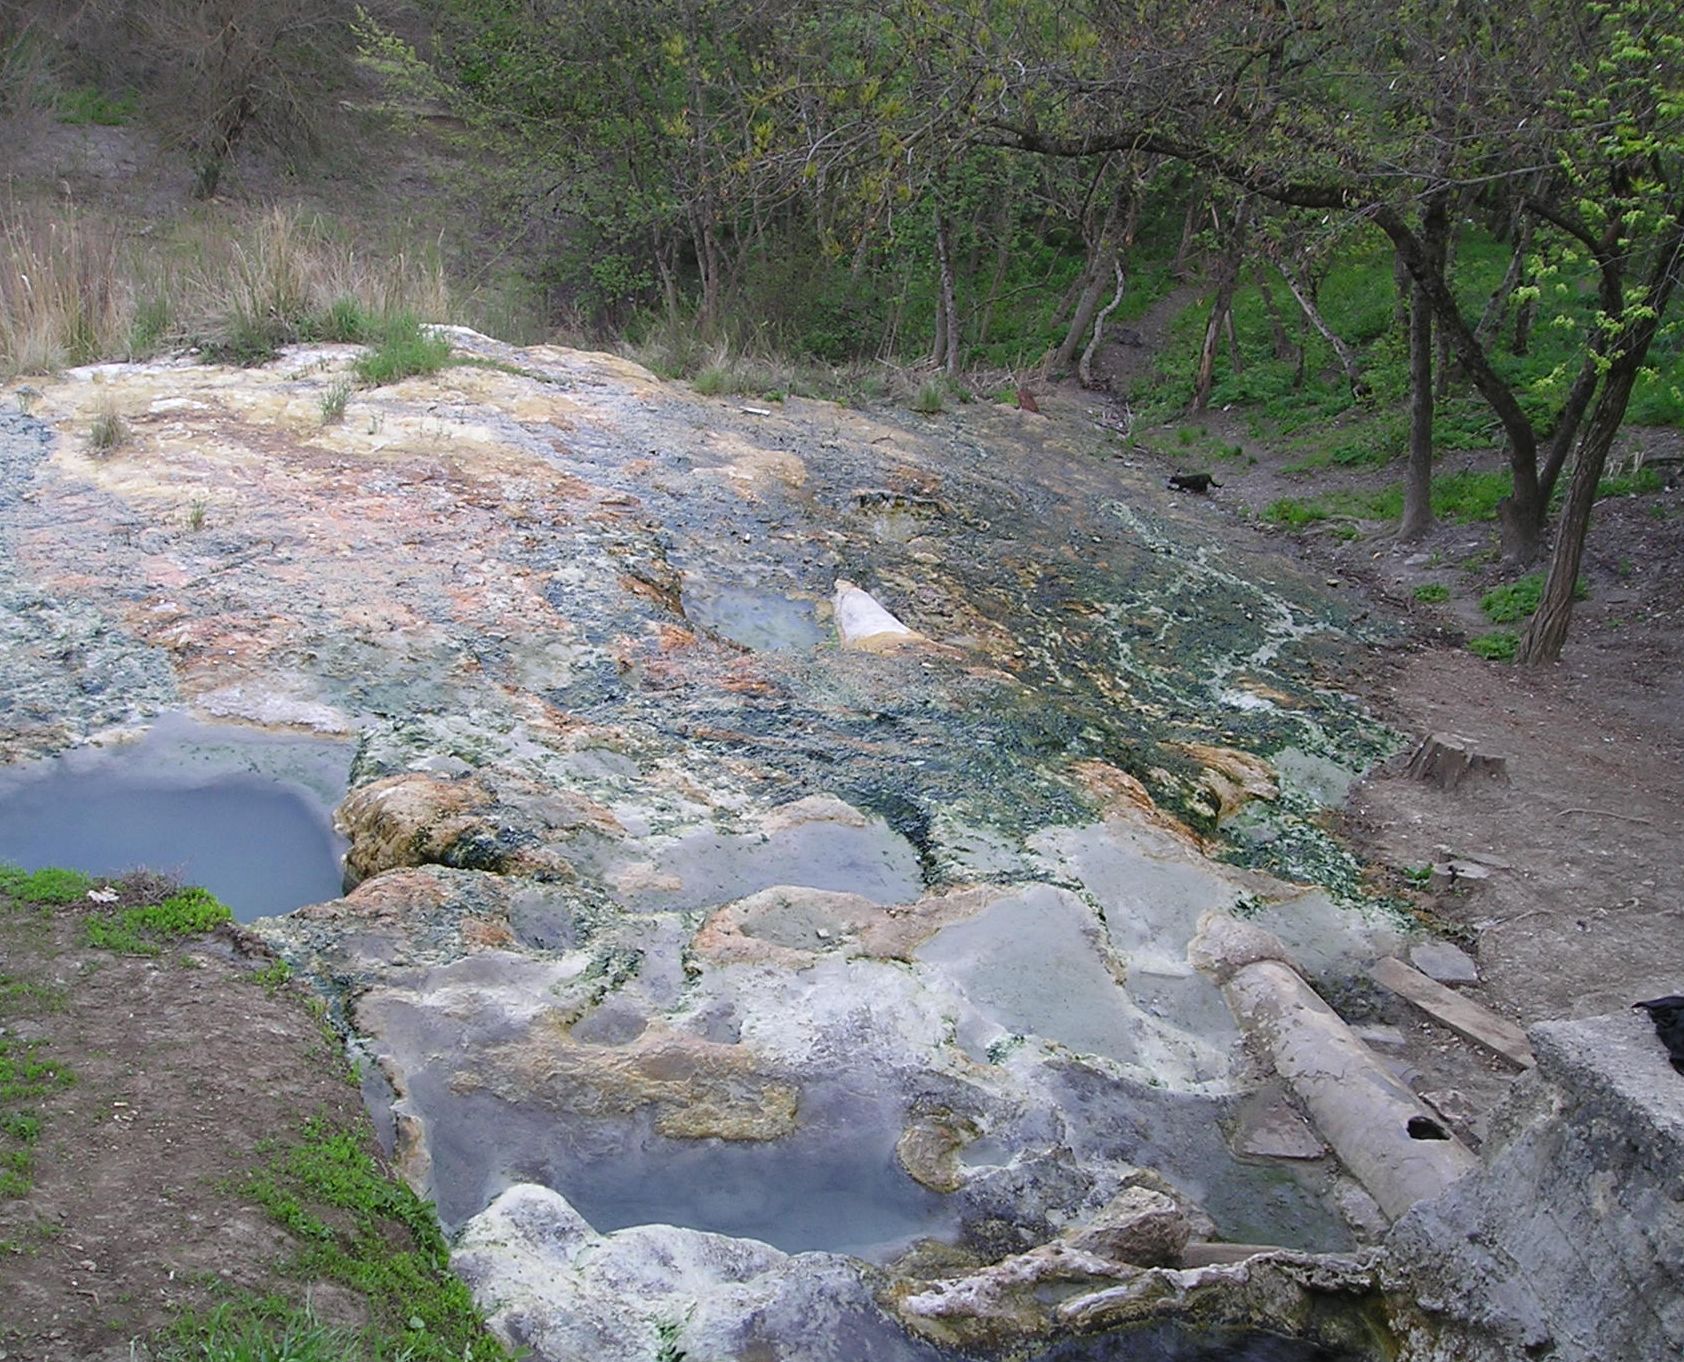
x: 1446, y: 963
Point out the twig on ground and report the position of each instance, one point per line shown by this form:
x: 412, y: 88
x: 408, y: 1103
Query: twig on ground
x: 1609, y: 813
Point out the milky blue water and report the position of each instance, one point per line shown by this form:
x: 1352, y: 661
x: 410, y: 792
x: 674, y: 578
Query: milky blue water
x: 244, y: 813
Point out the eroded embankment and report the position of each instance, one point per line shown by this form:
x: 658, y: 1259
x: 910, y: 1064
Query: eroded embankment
x: 671, y: 910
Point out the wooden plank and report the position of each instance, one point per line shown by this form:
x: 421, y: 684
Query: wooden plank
x: 1462, y: 1015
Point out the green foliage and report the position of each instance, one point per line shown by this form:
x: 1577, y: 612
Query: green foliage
x: 402, y: 349
x: 713, y: 381
x: 145, y: 928
x: 49, y: 885
x: 84, y: 104
x: 366, y: 1231
x: 264, y: 1331
x: 1517, y: 599
x: 1295, y: 514
x: 1498, y: 646
x: 26, y: 1077
x: 274, y: 976
x: 1469, y: 496
x: 1432, y: 593
x: 1636, y: 483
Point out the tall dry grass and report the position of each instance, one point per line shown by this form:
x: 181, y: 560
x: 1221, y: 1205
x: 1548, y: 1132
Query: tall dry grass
x: 75, y: 288
x: 62, y: 290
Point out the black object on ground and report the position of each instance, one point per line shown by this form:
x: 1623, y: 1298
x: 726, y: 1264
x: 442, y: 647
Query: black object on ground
x: 1192, y: 482
x: 1668, y: 1015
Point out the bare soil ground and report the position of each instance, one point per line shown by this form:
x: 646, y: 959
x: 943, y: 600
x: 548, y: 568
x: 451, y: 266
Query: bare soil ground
x: 1578, y: 904
x: 182, y: 1072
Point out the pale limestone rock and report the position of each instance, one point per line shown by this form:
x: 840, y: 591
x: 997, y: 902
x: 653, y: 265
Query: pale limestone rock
x: 548, y: 1282
x: 864, y: 625
x: 1225, y: 944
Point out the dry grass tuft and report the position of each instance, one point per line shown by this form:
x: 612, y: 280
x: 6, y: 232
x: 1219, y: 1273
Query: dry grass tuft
x: 63, y: 299
x: 75, y: 289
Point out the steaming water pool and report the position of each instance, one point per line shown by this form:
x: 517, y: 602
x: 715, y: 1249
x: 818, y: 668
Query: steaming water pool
x: 246, y: 814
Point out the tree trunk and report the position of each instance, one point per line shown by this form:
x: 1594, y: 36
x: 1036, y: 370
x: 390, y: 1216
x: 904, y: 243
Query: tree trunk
x: 1227, y: 280
x: 1441, y: 338
x: 1547, y: 631
x: 1522, y: 341
x: 1519, y: 513
x: 1189, y: 229
x: 1282, y: 343
x: 1092, y: 290
x: 1005, y: 233
x: 948, y: 326
x: 1418, y: 484
x: 1545, y: 635
x: 1101, y: 258
x: 1567, y: 425
x: 1495, y: 310
x: 1206, y: 374
x: 1347, y: 358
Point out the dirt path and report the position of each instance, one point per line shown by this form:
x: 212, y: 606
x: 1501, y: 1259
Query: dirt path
x: 143, y: 1100
x: 1582, y: 911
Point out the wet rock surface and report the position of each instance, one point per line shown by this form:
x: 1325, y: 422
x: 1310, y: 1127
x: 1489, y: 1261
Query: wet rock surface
x: 673, y: 910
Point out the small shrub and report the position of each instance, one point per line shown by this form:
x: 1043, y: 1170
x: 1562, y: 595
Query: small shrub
x: 714, y: 381
x: 196, y: 515
x: 273, y: 976
x: 1432, y: 593
x: 931, y: 399
x: 109, y: 431
x: 334, y: 400
x: 1495, y: 647
x: 347, y: 322
x: 404, y: 348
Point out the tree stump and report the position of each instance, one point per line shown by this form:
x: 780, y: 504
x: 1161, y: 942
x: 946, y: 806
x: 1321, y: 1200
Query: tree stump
x: 1446, y: 760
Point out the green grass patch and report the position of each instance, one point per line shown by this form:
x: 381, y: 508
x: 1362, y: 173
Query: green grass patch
x: 1639, y: 482
x: 82, y: 105
x: 364, y: 1230
x: 1498, y: 646
x: 50, y: 885
x: 403, y: 348
x: 1295, y: 514
x: 1432, y: 593
x: 146, y: 928
x: 1470, y: 496
x: 26, y: 1077
x: 1517, y: 599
